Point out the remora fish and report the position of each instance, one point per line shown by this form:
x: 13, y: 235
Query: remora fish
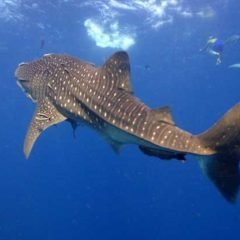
x: 66, y: 88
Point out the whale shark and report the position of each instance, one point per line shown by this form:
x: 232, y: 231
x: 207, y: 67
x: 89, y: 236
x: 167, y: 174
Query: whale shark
x: 65, y: 88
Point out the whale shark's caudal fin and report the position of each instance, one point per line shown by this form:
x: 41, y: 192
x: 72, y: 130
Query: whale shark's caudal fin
x: 223, y: 167
x: 223, y: 171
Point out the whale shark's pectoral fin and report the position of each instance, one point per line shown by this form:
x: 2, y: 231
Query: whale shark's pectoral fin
x: 45, y: 116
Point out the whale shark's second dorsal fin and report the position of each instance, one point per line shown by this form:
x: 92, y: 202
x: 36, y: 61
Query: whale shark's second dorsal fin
x: 163, y: 114
x: 117, y: 70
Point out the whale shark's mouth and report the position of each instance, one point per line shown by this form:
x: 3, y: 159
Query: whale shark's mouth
x: 23, y: 81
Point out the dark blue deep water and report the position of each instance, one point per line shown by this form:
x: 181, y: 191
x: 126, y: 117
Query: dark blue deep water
x: 77, y: 188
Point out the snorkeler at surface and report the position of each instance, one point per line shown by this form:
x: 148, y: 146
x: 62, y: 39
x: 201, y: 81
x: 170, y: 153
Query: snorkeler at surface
x: 215, y: 46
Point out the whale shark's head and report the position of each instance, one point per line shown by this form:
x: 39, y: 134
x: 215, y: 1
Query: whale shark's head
x: 32, y: 78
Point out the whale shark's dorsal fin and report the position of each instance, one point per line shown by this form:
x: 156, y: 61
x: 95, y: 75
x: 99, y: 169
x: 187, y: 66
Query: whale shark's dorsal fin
x: 163, y: 114
x: 45, y: 116
x: 117, y: 69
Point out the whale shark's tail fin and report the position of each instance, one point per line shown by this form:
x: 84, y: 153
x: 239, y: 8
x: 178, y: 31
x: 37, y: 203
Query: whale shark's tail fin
x: 223, y: 167
x: 223, y: 171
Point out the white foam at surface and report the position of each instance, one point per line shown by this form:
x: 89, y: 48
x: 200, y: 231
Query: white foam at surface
x: 111, y: 37
x: 109, y: 26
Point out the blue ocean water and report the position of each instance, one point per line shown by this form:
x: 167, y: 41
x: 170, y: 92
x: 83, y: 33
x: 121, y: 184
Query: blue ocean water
x: 77, y: 188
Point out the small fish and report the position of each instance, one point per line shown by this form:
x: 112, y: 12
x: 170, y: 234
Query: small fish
x: 236, y: 65
x: 42, y: 43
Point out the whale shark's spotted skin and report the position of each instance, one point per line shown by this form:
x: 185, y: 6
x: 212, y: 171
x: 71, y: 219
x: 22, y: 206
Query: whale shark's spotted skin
x: 66, y: 88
